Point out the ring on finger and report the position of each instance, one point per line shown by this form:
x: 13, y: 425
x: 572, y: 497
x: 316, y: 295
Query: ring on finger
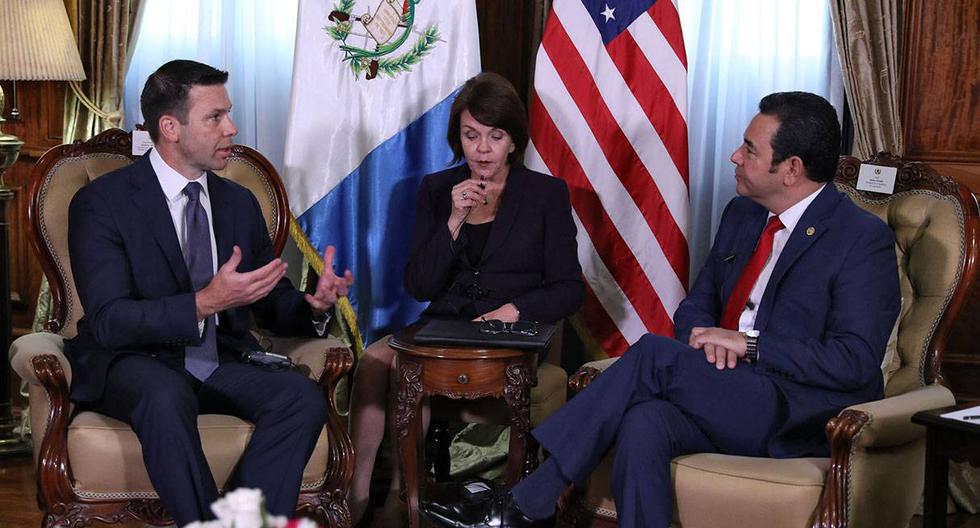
x: 464, y: 194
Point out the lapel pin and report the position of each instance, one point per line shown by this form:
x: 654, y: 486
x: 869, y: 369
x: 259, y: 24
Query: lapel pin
x: 810, y: 231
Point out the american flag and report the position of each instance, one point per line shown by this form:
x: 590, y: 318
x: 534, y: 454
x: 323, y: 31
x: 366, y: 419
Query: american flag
x: 608, y: 115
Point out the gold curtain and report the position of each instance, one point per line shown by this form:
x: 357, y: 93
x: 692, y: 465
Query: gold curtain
x: 868, y: 37
x: 104, y: 32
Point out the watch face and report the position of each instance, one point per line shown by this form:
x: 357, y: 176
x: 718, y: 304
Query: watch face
x: 752, y: 333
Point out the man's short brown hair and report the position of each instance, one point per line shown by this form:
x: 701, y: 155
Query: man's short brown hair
x: 166, y: 91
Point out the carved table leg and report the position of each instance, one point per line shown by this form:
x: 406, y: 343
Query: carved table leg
x: 408, y: 426
x: 517, y: 394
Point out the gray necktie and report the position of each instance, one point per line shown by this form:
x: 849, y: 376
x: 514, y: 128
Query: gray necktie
x: 200, y: 361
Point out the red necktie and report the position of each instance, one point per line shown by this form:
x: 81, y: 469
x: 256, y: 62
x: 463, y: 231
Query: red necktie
x: 740, y: 294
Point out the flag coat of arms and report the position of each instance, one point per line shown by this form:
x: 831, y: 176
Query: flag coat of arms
x: 373, y: 83
x: 608, y: 115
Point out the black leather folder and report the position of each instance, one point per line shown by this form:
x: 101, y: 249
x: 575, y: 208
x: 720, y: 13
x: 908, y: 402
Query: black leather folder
x: 454, y: 332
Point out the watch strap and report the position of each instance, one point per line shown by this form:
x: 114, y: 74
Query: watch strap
x: 751, y: 347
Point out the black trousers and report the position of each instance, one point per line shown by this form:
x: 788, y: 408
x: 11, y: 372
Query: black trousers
x: 161, y: 401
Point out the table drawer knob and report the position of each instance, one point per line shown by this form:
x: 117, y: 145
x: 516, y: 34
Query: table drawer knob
x: 463, y: 379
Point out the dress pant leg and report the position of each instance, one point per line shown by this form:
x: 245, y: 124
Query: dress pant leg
x: 158, y: 401
x: 735, y: 408
x: 288, y: 411
x: 651, y: 434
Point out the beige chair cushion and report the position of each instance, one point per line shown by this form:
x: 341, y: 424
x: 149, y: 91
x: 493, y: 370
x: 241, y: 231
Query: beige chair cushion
x: 549, y: 394
x: 107, y: 461
x: 744, y: 491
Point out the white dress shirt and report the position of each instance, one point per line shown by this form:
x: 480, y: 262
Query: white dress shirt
x: 789, y: 218
x: 173, y: 184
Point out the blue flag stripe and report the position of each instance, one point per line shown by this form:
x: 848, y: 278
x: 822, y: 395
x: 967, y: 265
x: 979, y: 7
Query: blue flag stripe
x: 369, y: 218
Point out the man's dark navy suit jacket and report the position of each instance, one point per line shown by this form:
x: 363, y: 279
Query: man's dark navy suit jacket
x: 134, y: 286
x: 826, y: 314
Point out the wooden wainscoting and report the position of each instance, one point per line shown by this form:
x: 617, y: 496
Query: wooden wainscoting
x: 941, y: 125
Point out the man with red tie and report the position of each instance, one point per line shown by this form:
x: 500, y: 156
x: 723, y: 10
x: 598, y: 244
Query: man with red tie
x: 785, y: 326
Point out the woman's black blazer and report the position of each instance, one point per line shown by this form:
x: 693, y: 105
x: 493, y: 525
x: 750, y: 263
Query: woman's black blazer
x: 530, y: 258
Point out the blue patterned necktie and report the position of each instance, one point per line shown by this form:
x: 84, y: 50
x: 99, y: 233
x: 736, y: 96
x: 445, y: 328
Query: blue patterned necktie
x: 200, y: 361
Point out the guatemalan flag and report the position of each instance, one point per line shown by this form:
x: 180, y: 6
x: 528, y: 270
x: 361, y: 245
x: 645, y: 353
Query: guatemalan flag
x: 373, y: 84
x: 608, y: 115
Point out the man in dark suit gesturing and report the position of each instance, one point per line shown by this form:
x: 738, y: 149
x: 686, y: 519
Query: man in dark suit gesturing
x: 168, y: 259
x: 785, y: 326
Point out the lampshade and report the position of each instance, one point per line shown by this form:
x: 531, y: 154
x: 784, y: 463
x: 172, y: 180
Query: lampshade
x: 36, y: 42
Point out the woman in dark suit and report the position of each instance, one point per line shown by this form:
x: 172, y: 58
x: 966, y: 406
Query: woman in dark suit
x: 492, y: 240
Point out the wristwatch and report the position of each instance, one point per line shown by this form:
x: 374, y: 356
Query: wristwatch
x: 751, y: 345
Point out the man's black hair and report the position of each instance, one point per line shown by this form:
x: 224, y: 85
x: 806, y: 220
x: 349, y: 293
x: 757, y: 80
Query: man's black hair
x: 808, y: 128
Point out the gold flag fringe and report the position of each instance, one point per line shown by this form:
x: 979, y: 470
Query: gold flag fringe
x: 349, y: 322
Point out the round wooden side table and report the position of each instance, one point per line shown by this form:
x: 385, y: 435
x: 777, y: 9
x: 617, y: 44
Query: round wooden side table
x: 457, y: 373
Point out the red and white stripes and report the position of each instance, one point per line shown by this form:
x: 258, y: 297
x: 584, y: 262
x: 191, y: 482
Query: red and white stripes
x: 611, y: 121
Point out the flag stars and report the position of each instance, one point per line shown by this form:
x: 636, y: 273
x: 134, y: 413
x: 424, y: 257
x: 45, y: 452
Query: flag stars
x: 609, y: 13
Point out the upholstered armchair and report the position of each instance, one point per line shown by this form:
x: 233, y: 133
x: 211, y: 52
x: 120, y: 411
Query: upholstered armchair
x: 89, y: 466
x: 874, y: 476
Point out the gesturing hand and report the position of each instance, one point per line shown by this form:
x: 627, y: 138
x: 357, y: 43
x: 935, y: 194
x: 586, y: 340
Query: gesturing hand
x: 330, y: 287
x: 229, y: 288
x: 721, y: 347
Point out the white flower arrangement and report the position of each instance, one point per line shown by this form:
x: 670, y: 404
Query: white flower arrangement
x: 245, y: 508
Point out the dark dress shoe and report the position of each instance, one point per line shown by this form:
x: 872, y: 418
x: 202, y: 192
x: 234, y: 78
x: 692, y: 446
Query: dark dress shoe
x: 498, y: 511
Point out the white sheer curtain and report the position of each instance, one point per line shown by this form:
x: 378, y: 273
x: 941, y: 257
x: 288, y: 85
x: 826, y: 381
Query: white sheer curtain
x: 737, y: 53
x: 252, y: 39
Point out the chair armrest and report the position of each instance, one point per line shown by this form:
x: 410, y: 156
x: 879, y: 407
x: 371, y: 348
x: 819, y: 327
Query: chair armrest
x: 38, y: 359
x: 25, y: 348
x: 877, y: 425
x: 326, y: 360
x: 587, y: 372
x: 889, y: 419
x: 309, y: 354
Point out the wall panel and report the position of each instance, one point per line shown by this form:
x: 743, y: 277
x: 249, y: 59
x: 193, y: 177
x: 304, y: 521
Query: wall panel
x: 40, y: 124
x: 941, y: 124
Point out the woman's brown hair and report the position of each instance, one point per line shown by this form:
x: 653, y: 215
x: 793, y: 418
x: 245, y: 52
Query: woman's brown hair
x: 493, y: 101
